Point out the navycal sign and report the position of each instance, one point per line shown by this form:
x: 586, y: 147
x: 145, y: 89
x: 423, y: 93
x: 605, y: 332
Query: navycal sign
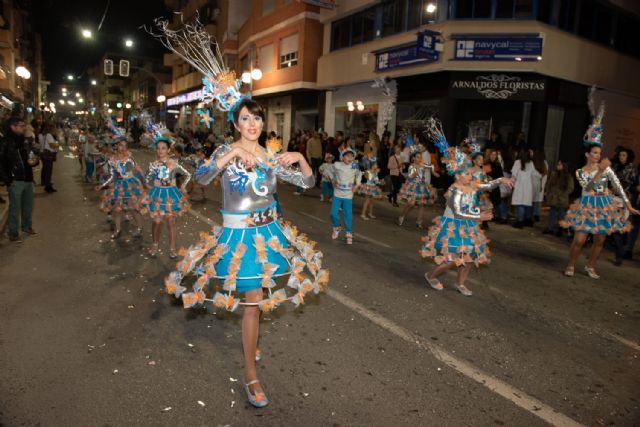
x: 477, y: 48
x: 498, y: 86
x: 426, y: 48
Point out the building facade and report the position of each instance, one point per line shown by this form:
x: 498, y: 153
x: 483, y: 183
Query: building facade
x: 515, y: 67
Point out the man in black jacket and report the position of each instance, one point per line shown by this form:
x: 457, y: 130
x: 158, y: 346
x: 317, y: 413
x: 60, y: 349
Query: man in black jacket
x: 16, y: 172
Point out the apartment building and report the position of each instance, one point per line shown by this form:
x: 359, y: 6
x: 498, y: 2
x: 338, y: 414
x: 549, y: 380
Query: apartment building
x: 507, y: 66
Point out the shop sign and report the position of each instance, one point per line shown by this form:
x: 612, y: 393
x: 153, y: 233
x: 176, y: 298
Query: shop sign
x: 498, y: 86
x: 426, y: 48
x: 472, y: 48
x: 185, y: 98
x: 429, y: 44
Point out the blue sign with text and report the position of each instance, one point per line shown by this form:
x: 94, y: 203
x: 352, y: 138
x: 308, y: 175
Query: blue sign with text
x: 498, y: 48
x: 424, y: 49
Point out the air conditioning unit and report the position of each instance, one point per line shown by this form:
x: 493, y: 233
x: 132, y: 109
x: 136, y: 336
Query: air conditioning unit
x: 108, y: 67
x: 124, y: 68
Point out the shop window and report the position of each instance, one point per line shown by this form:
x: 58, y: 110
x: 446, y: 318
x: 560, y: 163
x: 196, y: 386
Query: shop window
x: 288, y: 51
x: 268, y: 6
x: 504, y: 9
x: 265, y: 58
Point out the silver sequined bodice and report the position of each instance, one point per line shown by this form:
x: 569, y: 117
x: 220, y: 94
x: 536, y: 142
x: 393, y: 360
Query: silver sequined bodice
x: 245, y: 190
x: 600, y: 187
x: 165, y: 173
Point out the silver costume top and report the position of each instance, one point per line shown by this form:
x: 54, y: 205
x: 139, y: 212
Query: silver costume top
x: 419, y: 174
x: 601, y: 186
x: 121, y: 169
x: 165, y: 173
x: 248, y: 191
x: 464, y: 205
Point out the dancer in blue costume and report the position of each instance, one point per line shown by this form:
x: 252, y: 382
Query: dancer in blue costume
x: 456, y: 239
x: 164, y: 200
x: 253, y: 247
x: 595, y: 212
x: 124, y: 185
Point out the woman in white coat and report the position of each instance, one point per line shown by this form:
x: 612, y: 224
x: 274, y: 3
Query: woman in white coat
x: 525, y: 174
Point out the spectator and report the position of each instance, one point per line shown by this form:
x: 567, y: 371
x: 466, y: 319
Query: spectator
x: 395, y: 173
x: 627, y: 174
x: 48, y: 154
x: 493, y: 168
x: 541, y: 165
x: 635, y: 219
x: 314, y: 154
x: 524, y: 173
x: 494, y: 142
x: 16, y: 163
x: 90, y: 152
x: 557, y: 191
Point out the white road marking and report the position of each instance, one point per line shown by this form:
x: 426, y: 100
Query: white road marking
x: 518, y: 397
x: 358, y: 235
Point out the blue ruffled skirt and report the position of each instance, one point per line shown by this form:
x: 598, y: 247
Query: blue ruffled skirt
x: 162, y: 202
x: 126, y: 194
x: 458, y: 240
x: 416, y: 192
x: 596, y: 214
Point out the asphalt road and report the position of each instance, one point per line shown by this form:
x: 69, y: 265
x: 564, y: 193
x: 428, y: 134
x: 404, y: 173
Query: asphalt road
x: 88, y: 338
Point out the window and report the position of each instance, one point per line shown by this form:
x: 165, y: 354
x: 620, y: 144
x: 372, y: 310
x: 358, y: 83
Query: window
x: 626, y: 35
x: 546, y: 12
x: 268, y: 6
x: 482, y: 9
x: 289, y: 51
x: 393, y: 17
x: 504, y: 9
x: 244, y: 63
x: 464, y: 9
x: 568, y: 12
x: 340, y: 33
x: 586, y: 19
x: 523, y: 9
x: 603, y: 31
x: 265, y: 58
x: 418, y: 14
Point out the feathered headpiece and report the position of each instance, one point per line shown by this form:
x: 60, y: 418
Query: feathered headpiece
x: 193, y: 44
x: 454, y: 159
x: 593, y: 135
x: 414, y: 147
x: 116, y: 134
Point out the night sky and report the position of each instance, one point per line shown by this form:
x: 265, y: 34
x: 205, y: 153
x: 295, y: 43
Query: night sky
x: 66, y: 52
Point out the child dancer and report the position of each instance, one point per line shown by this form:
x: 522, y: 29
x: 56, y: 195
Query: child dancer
x: 416, y: 190
x: 478, y: 176
x: 327, y: 187
x: 164, y: 200
x: 346, y: 177
x: 455, y: 239
x: 126, y: 194
x: 370, y: 190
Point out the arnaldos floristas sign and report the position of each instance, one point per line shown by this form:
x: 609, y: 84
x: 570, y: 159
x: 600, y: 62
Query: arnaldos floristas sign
x: 498, y: 86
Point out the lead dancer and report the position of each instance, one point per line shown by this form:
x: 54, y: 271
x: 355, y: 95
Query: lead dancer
x: 595, y: 212
x: 456, y: 239
x: 253, y: 247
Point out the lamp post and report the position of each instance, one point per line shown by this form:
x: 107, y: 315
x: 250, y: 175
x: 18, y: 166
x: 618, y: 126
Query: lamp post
x: 161, y: 99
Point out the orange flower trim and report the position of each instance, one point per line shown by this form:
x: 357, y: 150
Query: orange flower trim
x: 226, y: 301
x: 234, y: 267
x: 261, y: 250
x: 193, y: 299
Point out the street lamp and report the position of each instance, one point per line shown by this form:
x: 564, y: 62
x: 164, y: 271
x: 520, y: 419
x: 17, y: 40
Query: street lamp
x: 23, y: 72
x: 128, y: 43
x: 77, y: 94
x: 93, y: 82
x: 69, y: 77
x: 87, y: 34
x: 161, y: 98
x: 431, y: 8
x: 61, y: 101
x: 127, y: 106
x: 119, y: 105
